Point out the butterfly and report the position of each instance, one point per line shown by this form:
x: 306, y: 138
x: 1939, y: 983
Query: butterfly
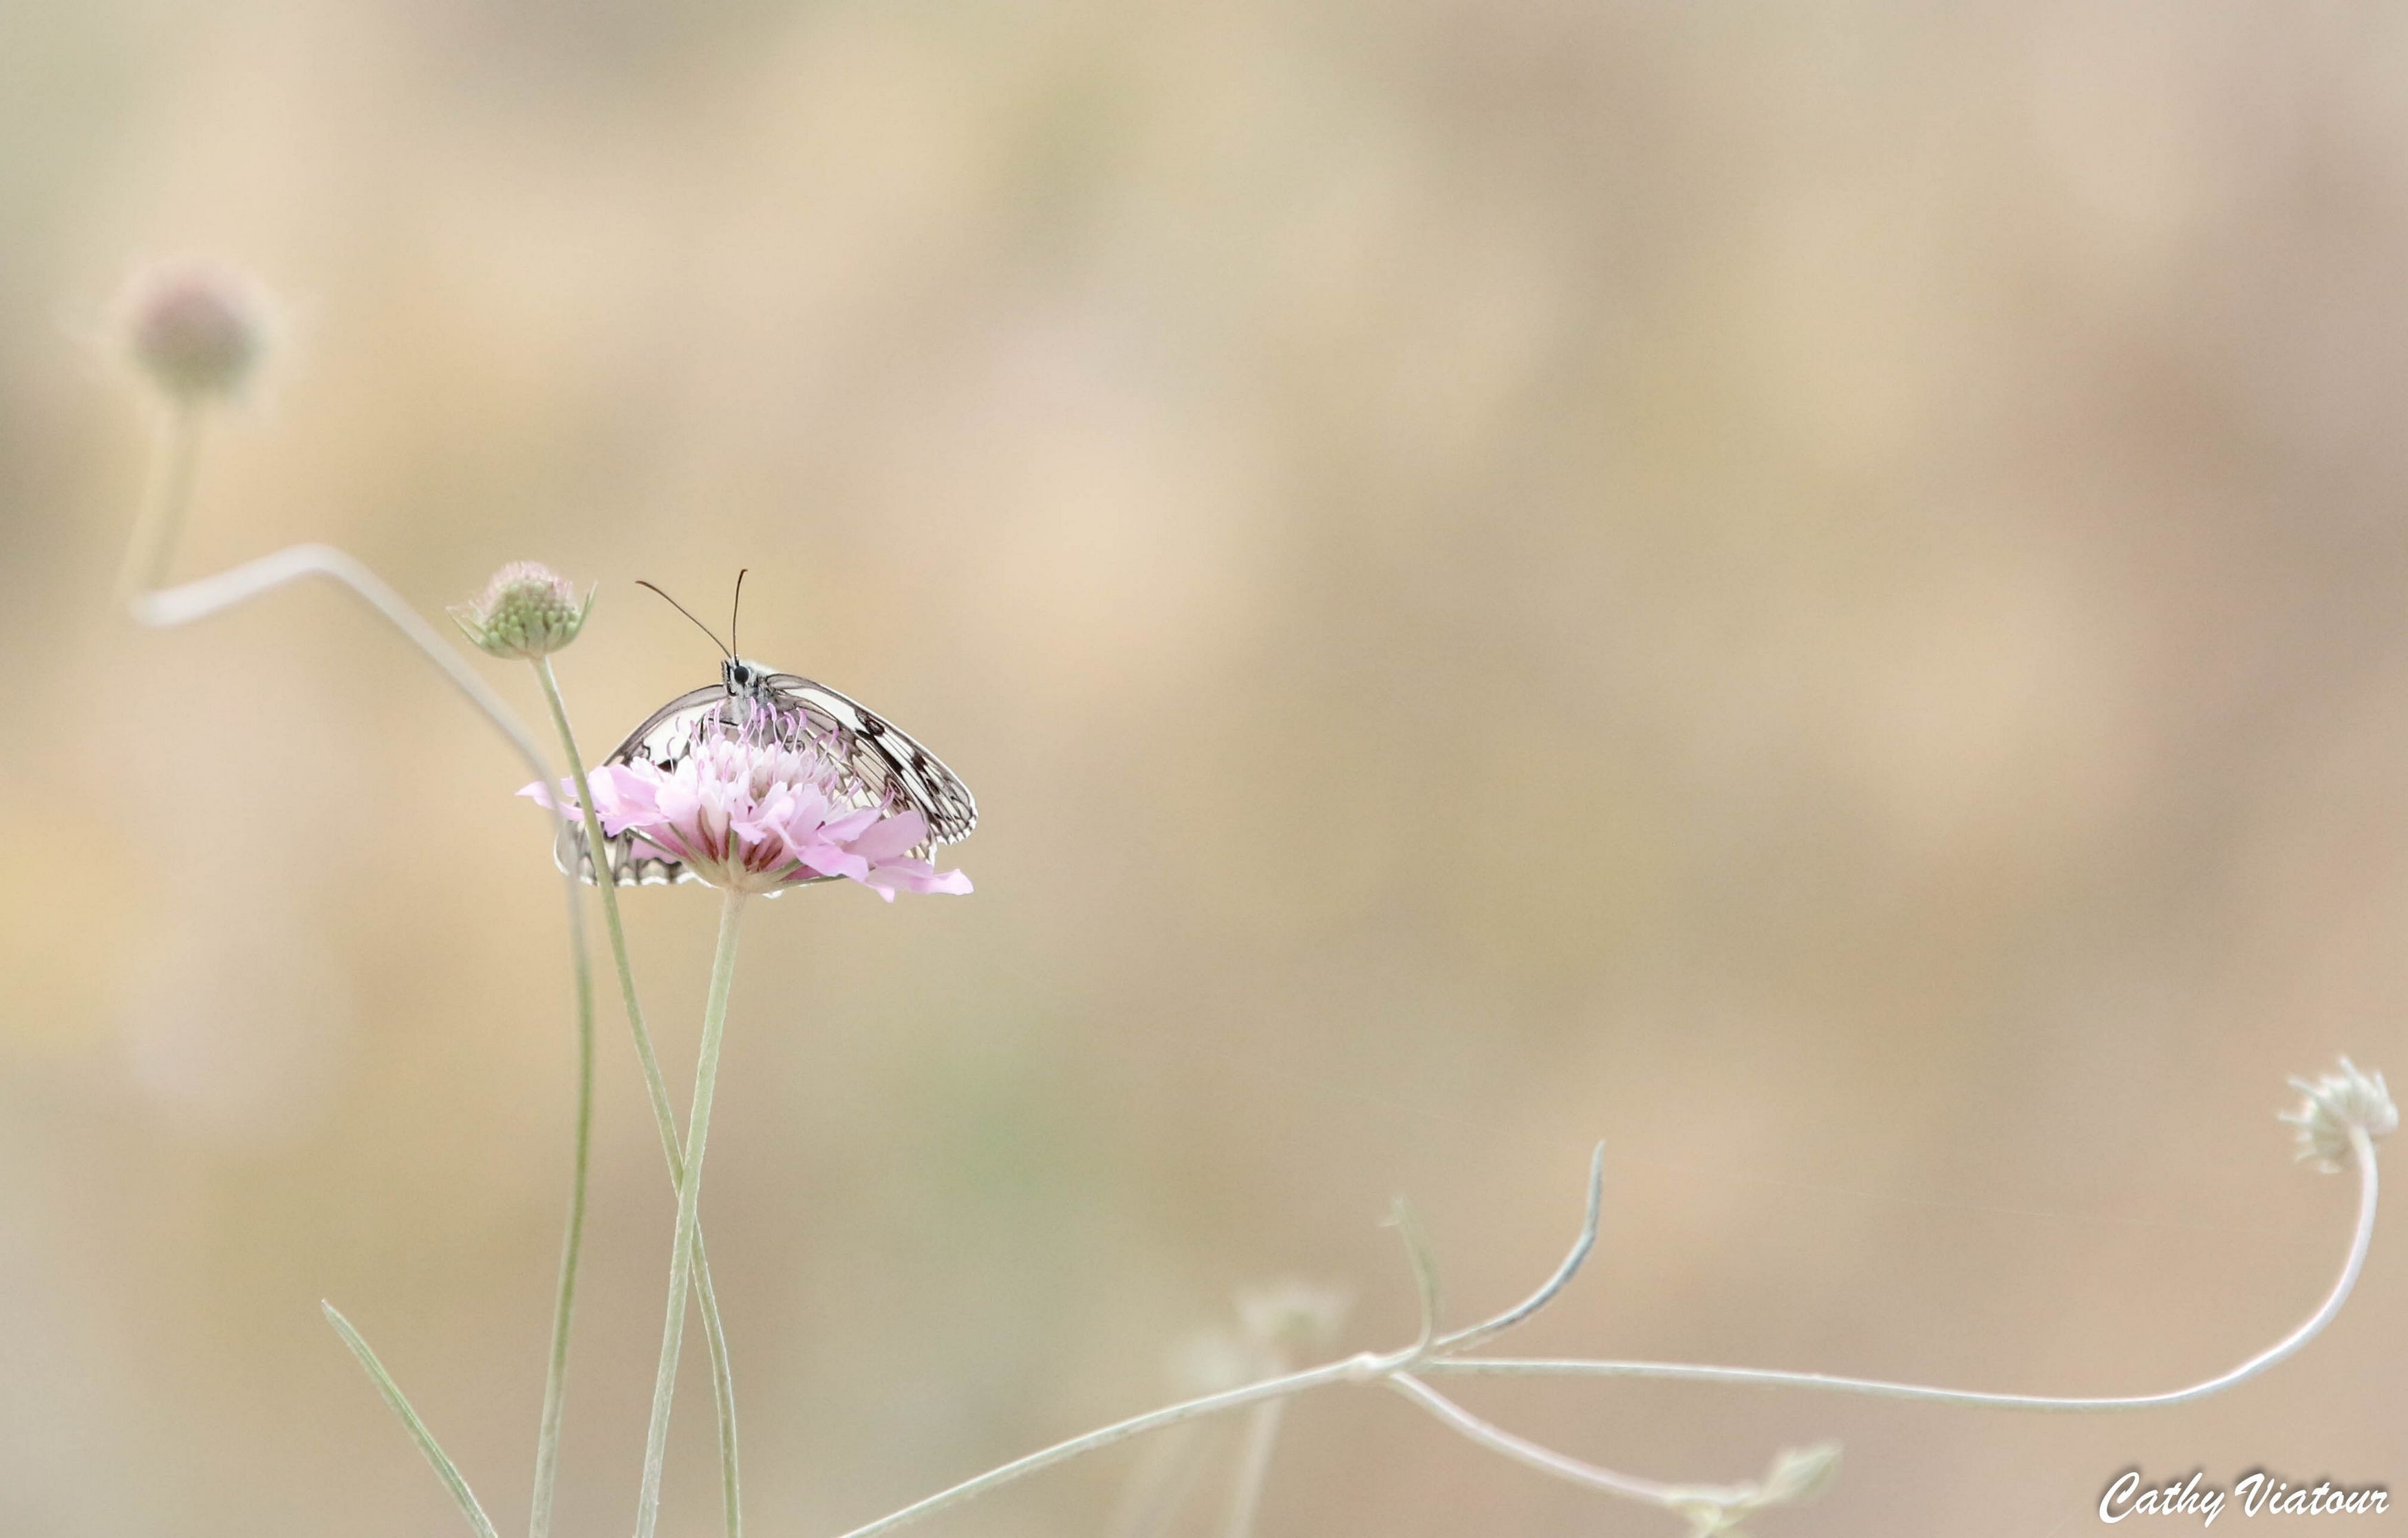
x: 878, y: 760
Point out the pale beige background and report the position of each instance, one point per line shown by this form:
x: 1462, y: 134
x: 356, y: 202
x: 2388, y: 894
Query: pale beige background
x: 1819, y: 592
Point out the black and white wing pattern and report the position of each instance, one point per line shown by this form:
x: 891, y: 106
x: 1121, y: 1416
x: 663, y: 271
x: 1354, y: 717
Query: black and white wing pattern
x: 894, y: 767
x: 664, y: 739
x: 884, y: 765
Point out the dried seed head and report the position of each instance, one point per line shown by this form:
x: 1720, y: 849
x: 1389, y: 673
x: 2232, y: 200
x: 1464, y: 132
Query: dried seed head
x: 1798, y: 1474
x: 527, y: 610
x: 2334, y: 1105
x: 198, y: 331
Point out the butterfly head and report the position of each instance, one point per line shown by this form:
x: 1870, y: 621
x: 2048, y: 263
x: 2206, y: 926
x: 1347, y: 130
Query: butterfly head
x: 743, y: 678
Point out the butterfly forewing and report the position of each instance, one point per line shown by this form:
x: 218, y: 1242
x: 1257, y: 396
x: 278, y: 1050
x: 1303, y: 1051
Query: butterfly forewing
x: 886, y: 757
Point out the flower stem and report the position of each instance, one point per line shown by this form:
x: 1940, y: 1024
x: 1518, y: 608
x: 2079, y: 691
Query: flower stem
x: 148, y: 553
x: 444, y: 1468
x: 705, y: 1074
x: 2362, y: 1238
x: 164, y: 504
x: 664, y: 1118
x: 1399, y: 1370
x: 556, y: 1380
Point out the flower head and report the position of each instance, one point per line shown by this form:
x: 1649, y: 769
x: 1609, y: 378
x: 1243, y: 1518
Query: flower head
x: 527, y: 610
x: 197, y: 330
x: 757, y: 805
x: 2335, y: 1104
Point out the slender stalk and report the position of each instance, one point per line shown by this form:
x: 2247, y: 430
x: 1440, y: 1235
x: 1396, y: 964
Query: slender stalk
x: 556, y: 1378
x: 148, y: 553
x: 1463, y: 1339
x: 166, y: 608
x: 1545, y: 1459
x: 164, y: 502
x: 444, y: 1468
x: 664, y: 1118
x: 2360, y: 1239
x: 1366, y: 1367
x: 1397, y: 1370
x: 1171, y: 1414
x: 1408, y: 1225
x: 1254, y: 1469
x: 723, y: 1386
x: 681, y: 1250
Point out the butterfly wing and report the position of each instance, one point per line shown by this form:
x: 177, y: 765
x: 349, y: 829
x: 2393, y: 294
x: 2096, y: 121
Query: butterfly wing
x: 884, y: 757
x: 667, y: 735
x: 888, y: 764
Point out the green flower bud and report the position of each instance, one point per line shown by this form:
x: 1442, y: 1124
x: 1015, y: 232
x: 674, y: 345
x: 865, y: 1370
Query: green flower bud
x: 527, y: 610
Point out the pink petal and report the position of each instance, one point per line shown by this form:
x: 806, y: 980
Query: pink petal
x: 892, y: 836
x: 541, y: 795
x: 851, y: 826
x: 919, y: 876
x: 830, y: 860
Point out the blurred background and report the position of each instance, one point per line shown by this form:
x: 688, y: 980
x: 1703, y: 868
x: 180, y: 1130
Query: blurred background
x: 1815, y: 592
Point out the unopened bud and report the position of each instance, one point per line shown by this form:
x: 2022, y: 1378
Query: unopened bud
x: 527, y: 610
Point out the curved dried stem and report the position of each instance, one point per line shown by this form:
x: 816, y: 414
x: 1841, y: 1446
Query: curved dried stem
x: 1528, y: 1453
x: 1366, y: 1367
x: 1712, y: 1507
x: 1408, y: 1225
x: 2361, y: 1237
x: 1489, y: 1329
x: 1171, y: 1415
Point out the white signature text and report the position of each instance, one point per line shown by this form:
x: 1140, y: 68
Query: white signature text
x: 2256, y: 1493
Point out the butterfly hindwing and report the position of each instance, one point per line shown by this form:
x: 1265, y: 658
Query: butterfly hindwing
x: 665, y: 738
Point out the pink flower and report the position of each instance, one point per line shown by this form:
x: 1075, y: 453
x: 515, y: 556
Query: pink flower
x: 197, y: 329
x: 756, y: 810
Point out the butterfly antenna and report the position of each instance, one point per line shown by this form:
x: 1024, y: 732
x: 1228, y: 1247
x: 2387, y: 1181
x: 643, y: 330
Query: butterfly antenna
x: 689, y: 614
x: 736, y: 608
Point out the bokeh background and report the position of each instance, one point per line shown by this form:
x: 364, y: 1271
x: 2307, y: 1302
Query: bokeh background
x: 1820, y: 593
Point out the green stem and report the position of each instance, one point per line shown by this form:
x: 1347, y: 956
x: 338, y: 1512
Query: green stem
x: 170, y: 493
x: 556, y: 1380
x: 150, y: 551
x: 444, y: 1468
x: 706, y: 1075
x: 722, y: 1382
